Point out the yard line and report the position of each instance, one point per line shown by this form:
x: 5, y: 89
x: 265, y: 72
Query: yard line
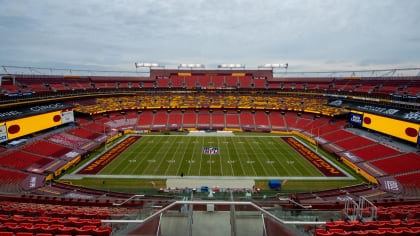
x: 220, y: 159
x: 228, y: 154
x: 201, y: 156
x: 192, y: 157
x: 255, y: 173
x: 251, y: 145
x: 168, y: 148
x: 237, y: 157
x: 300, y: 161
x: 183, y: 155
x: 174, y: 155
x: 143, y: 155
x: 120, y: 160
x: 265, y: 155
x: 283, y: 156
x: 306, y: 166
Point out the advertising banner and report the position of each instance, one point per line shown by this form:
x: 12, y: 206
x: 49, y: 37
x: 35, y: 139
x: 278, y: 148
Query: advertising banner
x: 356, y: 119
x: 398, y: 113
x: 10, y: 114
x: 67, y: 117
x: 3, y: 133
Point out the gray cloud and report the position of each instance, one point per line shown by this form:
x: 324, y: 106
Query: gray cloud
x: 114, y: 34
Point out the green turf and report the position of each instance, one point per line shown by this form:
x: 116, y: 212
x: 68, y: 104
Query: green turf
x: 238, y: 156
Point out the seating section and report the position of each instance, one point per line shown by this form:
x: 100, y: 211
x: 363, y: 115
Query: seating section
x: 337, y: 135
x: 218, y: 81
x: 301, y: 123
x: 261, y: 119
x: 218, y: 119
x: 52, y: 226
x: 175, y: 119
x: 205, y: 100
x: 374, y: 152
x: 84, y: 133
x: 97, y: 127
x: 399, y: 164
x: 46, y: 148
x: 328, y: 128
x: 247, y: 120
x: 160, y: 118
x: 10, y: 181
x: 190, y: 119
x: 145, y: 119
x: 67, y: 140
x: 203, y: 118
x: 232, y: 120
x: 276, y: 120
x: 413, y: 179
x: 20, y: 160
x: 122, y: 123
x: 368, y: 228
x: 354, y: 142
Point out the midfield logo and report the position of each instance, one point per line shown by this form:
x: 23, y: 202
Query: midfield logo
x: 210, y: 150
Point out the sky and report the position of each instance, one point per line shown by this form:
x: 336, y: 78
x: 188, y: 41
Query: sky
x: 311, y: 35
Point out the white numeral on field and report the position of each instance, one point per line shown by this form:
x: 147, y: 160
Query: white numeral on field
x: 171, y: 161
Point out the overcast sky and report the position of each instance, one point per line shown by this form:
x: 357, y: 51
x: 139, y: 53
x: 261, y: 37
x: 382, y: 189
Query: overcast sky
x: 310, y: 35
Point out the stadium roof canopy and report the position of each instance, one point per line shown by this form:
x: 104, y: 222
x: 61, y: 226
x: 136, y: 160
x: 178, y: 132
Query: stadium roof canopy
x: 138, y: 71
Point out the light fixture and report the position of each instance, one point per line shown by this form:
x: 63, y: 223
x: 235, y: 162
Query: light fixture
x: 286, y: 65
x: 231, y: 66
x: 146, y: 64
x: 191, y: 66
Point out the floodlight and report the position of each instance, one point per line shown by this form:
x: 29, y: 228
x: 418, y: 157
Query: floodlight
x: 146, y: 64
x: 191, y: 66
x: 286, y: 65
x: 231, y: 66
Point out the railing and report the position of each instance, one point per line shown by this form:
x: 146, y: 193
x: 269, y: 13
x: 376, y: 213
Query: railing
x: 264, y: 211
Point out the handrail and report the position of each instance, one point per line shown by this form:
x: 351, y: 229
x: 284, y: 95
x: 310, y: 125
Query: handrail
x: 119, y: 204
x: 216, y: 203
x: 297, y: 203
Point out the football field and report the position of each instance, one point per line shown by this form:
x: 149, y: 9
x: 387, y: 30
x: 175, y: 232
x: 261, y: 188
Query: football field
x: 253, y: 156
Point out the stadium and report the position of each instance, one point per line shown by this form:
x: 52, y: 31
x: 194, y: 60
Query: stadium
x: 226, y: 150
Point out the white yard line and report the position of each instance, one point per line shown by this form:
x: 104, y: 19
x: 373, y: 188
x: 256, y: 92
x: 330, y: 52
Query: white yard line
x: 258, y: 159
x: 144, y: 159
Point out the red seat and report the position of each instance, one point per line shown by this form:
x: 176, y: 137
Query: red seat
x: 25, y: 225
x: 103, y: 231
x: 68, y: 230
x: 6, y: 233
x: 359, y: 233
x: 24, y: 234
x: 323, y: 232
x: 84, y: 231
x: 89, y: 227
x: 340, y: 232
x: 359, y: 226
x: 375, y: 232
x: 43, y: 234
